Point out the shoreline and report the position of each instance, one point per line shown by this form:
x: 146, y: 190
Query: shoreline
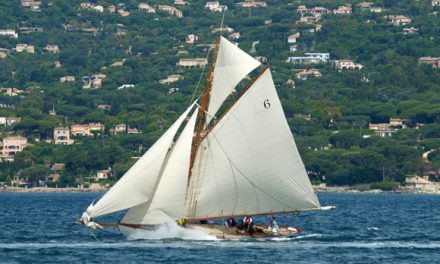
x: 332, y: 190
x: 48, y: 190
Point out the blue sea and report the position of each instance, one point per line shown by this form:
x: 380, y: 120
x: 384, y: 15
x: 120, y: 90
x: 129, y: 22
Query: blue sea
x: 365, y: 228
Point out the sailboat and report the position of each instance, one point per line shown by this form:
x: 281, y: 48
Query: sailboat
x: 243, y: 163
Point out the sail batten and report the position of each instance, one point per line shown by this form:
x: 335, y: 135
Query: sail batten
x: 137, y: 184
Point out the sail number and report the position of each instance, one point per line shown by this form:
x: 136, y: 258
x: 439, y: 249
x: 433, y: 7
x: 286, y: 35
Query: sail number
x: 266, y: 104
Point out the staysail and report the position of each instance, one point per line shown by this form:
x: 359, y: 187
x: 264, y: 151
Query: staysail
x: 231, y: 66
x: 248, y: 163
x: 168, y: 201
x: 137, y: 184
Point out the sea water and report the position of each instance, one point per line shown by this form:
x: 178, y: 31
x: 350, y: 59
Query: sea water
x: 365, y: 228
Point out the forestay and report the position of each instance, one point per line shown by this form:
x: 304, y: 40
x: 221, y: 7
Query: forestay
x: 231, y: 66
x: 137, y: 184
x: 249, y: 163
x: 168, y: 201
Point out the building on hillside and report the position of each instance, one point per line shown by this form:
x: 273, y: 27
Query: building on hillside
x: 67, y: 79
x: 172, y: 91
x: 261, y: 59
x: 303, y: 117
x: 9, y: 121
x: 376, y: 9
x: 215, y: 6
x: 25, y: 48
x: 197, y: 62
x: 180, y: 2
x: 94, y: 81
x: 171, y: 10
x: 291, y: 83
x: 146, y: 7
x: 310, y: 58
x: 118, y: 63
x: 235, y: 35
x: 398, y: 20
x: 171, y: 79
x: 387, y: 129
x: 9, y: 32
x: 61, y: 136
x: 32, y: 4
x: 4, y: 53
x: 397, y: 122
x: 80, y: 130
x: 434, y: 61
x: 435, y: 2
x: 347, y: 65
x: 293, y: 48
x: 12, y: 145
x: 103, y: 174
x: 365, y: 6
x: 343, y: 10
x: 410, y: 31
x: 123, y: 129
x: 305, y: 74
x: 252, y: 3
x: 191, y: 38
x: 52, y: 49
x: 292, y: 39
x: 104, y: 107
x: 223, y: 29
x: 28, y: 30
x: 11, y: 91
x: 123, y: 13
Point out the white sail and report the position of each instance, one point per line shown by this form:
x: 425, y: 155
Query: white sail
x: 137, y: 184
x: 249, y: 163
x: 231, y: 66
x: 168, y: 201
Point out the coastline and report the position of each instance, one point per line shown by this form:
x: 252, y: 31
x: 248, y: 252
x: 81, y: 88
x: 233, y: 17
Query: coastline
x: 49, y: 190
x: 332, y: 189
x: 349, y: 190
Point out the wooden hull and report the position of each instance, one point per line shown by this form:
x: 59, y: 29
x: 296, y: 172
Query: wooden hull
x: 222, y: 232
x: 213, y: 230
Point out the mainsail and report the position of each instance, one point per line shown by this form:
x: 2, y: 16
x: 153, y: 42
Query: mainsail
x: 248, y: 163
x: 137, y: 184
x: 168, y: 201
x: 231, y: 66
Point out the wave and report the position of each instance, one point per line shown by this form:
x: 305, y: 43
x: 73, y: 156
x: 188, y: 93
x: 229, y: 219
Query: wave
x: 169, y: 230
x: 198, y: 244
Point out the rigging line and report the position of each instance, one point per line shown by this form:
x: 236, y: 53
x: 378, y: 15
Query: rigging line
x: 93, y: 234
x: 200, y: 79
x: 223, y: 18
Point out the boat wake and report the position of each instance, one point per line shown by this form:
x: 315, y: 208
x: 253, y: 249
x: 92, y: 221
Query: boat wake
x: 168, y: 230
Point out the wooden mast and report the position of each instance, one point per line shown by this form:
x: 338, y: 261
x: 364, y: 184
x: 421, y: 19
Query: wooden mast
x: 203, y: 108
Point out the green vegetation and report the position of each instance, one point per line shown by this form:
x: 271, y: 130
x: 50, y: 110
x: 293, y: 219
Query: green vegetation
x: 384, y: 186
x: 333, y: 144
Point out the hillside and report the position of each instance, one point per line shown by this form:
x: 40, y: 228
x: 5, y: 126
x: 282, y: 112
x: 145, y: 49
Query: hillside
x: 365, y: 113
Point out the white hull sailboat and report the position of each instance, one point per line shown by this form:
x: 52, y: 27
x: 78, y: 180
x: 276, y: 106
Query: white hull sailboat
x: 243, y: 163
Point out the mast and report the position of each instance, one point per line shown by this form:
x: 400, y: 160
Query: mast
x: 203, y: 108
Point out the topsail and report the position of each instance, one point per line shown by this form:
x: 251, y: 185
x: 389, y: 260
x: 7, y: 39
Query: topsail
x: 231, y: 66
